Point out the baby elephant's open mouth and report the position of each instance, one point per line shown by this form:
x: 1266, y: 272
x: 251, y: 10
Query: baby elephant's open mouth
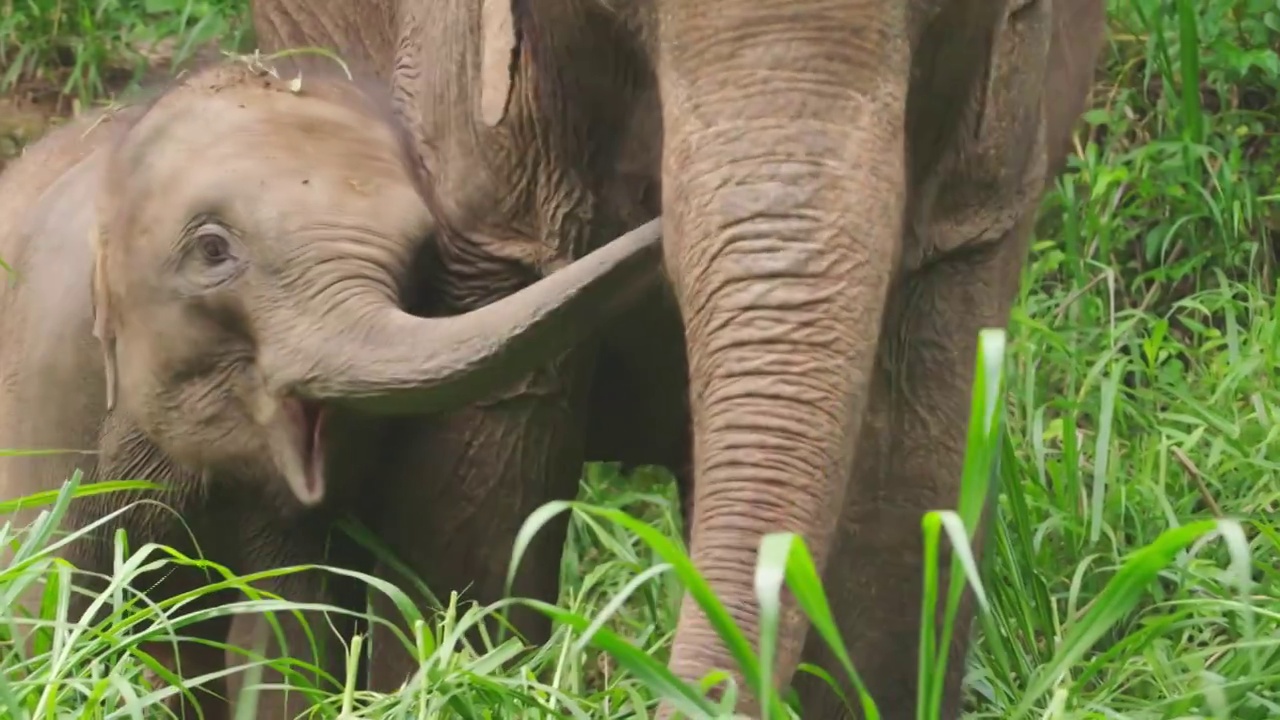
x: 303, y: 461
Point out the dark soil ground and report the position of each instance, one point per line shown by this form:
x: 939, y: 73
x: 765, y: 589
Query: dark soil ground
x: 25, y: 112
x: 34, y: 105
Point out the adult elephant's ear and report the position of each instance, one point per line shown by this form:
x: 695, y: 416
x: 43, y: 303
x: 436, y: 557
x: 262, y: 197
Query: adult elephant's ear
x: 499, y: 48
x: 103, y: 328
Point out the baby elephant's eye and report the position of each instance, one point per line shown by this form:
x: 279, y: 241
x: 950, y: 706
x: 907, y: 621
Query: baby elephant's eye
x: 214, y: 244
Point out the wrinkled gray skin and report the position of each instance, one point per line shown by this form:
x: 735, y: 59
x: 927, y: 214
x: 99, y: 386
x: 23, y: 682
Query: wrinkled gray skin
x: 209, y: 293
x: 847, y: 188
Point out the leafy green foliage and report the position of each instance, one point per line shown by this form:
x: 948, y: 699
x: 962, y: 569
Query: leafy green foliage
x: 89, y: 47
x: 1133, y: 564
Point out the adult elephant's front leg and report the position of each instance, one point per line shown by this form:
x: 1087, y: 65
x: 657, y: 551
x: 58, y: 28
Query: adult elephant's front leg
x: 459, y: 489
x: 961, y: 274
x: 910, y: 455
x: 362, y: 33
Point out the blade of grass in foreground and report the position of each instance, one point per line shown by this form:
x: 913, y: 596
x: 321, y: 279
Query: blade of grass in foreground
x: 49, y: 497
x: 692, y: 581
x: 982, y: 452
x: 650, y: 672
x: 786, y: 554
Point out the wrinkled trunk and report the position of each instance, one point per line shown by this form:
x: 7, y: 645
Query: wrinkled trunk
x: 783, y: 180
x: 385, y: 361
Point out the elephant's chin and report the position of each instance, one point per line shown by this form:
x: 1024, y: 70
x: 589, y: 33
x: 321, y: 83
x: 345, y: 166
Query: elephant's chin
x: 295, y: 433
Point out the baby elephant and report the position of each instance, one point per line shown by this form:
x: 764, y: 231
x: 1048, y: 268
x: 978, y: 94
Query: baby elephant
x: 209, y: 290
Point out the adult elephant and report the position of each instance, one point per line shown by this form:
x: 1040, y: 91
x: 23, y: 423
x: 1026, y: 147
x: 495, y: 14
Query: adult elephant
x: 847, y: 189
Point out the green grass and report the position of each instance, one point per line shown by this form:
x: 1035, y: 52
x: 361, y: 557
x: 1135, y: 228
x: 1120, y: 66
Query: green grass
x: 1140, y: 405
x: 90, y: 48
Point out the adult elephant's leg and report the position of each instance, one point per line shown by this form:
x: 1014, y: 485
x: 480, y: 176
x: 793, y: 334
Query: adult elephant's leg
x: 459, y: 489
x: 910, y: 455
x: 961, y: 275
x: 362, y: 33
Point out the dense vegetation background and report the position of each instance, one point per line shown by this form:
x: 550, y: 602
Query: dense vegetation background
x: 1141, y: 398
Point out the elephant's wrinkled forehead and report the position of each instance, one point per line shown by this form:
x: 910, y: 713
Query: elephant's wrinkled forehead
x: 251, y: 147
x: 192, y: 131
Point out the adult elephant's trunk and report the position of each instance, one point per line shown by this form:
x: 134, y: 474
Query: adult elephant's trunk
x: 783, y: 186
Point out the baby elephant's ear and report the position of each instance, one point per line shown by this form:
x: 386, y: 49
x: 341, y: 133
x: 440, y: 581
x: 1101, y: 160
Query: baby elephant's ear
x: 499, y: 45
x: 103, y: 328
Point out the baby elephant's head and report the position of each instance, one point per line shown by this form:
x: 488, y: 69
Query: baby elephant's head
x: 255, y: 239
